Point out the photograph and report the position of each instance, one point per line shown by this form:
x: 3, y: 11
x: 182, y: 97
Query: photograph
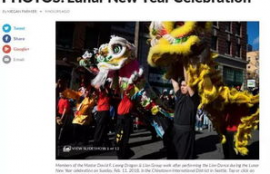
x: 186, y: 90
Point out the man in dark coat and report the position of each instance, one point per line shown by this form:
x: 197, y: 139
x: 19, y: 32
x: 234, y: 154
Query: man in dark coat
x: 182, y: 132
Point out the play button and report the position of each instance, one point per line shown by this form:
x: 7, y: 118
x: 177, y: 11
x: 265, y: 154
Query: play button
x: 6, y: 59
x: 6, y: 49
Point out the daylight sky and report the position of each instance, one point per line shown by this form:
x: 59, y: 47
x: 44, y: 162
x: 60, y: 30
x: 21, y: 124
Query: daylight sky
x: 253, y: 34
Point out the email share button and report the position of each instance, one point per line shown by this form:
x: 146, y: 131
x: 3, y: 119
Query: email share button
x: 6, y: 59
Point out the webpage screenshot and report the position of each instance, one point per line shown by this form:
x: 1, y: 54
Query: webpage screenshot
x: 126, y: 86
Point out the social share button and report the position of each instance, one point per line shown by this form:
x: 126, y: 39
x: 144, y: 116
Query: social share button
x: 6, y: 28
x: 6, y: 59
x: 6, y: 38
x: 6, y: 49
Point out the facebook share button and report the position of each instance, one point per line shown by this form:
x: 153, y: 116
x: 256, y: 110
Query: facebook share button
x: 6, y: 38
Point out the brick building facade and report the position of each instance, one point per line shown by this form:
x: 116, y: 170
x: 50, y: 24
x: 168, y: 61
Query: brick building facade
x: 229, y: 40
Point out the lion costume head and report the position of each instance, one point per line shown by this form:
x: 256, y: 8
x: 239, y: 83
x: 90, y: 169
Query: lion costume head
x: 113, y: 56
x: 178, y: 44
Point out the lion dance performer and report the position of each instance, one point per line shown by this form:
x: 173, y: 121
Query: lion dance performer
x: 117, y: 62
x: 182, y: 44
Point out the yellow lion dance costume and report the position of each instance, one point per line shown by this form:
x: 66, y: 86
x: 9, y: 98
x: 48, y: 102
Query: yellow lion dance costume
x: 176, y: 44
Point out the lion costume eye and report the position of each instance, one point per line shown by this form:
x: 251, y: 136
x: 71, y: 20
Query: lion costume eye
x: 117, y: 48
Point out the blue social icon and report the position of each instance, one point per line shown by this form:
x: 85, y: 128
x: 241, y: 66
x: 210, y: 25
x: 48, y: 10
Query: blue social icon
x: 6, y: 38
x: 6, y: 28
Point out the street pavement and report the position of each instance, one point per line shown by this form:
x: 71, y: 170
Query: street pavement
x: 208, y: 147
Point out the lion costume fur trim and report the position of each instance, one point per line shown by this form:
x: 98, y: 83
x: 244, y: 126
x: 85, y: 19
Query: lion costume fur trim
x: 204, y: 77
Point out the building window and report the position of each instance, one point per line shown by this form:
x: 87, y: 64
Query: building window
x: 257, y: 72
x: 257, y: 58
x: 228, y: 49
x: 214, y: 43
x: 238, y: 76
x: 238, y: 28
x: 238, y: 50
x: 228, y: 26
x: 228, y: 74
x: 233, y: 77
